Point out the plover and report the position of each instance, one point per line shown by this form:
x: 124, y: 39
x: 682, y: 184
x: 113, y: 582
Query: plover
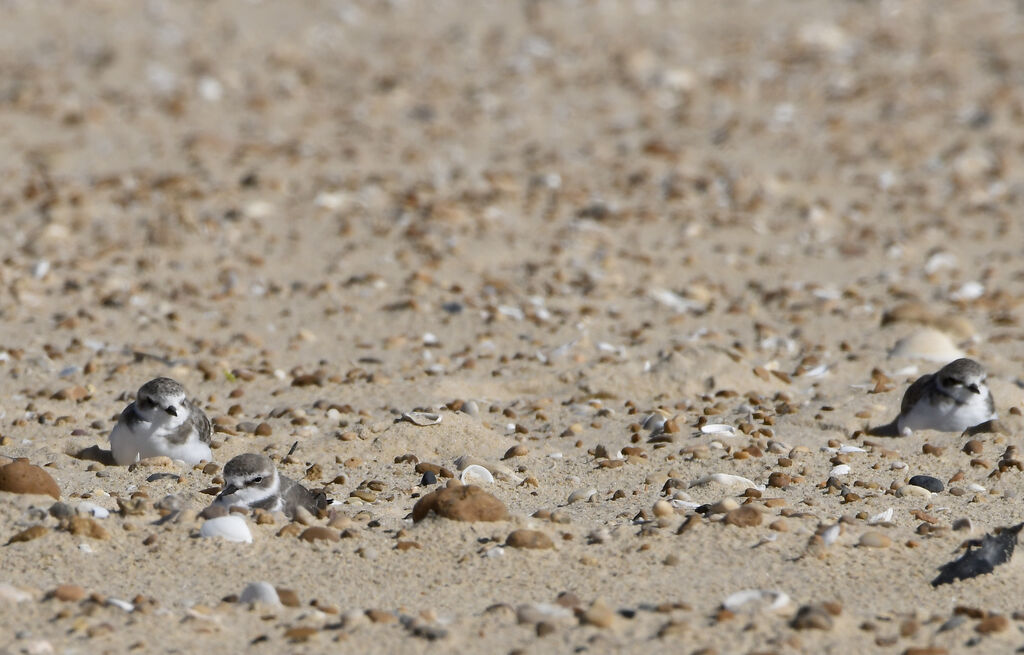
x: 161, y: 421
x: 252, y: 481
x: 954, y: 399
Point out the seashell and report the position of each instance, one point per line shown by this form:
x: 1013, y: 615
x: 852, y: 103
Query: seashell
x: 929, y: 344
x: 816, y: 372
x: 841, y: 469
x: 882, y: 517
x: 93, y: 510
x: 723, y: 479
x: 475, y: 474
x: 976, y: 488
x: 898, y: 466
x: 121, y: 604
x: 679, y: 503
x: 674, y: 301
x: 583, y: 495
x: 422, y: 418
x: 655, y: 422
x: 12, y: 594
x: 260, y: 592
x: 777, y: 600
x: 939, y: 261
x: 231, y: 527
x: 851, y: 449
x: 968, y: 291
x: 913, y: 490
x: 830, y: 534
x: 717, y: 428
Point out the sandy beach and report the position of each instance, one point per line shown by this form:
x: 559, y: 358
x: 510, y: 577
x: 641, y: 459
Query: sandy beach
x: 656, y: 266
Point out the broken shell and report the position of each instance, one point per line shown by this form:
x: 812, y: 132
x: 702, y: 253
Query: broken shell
x: 231, y: 527
x: 581, y: 495
x: 777, y: 600
x: 474, y: 474
x: 422, y: 418
x: 851, y: 449
x: 725, y: 479
x: 717, y: 428
x: 654, y: 422
x: 841, y: 469
x: 830, y: 534
x: 882, y: 517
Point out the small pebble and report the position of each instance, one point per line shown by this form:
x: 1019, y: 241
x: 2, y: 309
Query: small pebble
x: 875, y: 539
x: 744, y: 517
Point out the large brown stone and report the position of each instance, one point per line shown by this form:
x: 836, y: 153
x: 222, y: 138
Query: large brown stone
x: 20, y: 477
x: 461, y: 503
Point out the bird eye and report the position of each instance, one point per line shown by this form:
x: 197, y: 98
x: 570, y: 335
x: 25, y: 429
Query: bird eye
x: 258, y: 479
x: 170, y: 409
x: 145, y: 402
x: 951, y: 382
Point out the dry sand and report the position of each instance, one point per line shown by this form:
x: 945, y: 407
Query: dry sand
x: 571, y: 214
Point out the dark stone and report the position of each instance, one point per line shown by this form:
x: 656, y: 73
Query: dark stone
x: 428, y: 479
x: 927, y: 482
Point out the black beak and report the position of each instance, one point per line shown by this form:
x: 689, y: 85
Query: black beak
x: 974, y: 388
x: 171, y: 410
x: 228, y: 490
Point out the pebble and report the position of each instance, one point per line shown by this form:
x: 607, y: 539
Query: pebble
x: 69, y: 593
x: 744, y: 517
x: 20, y: 477
x: 913, y: 490
x: 534, y: 613
x: 318, y: 532
x: 519, y: 450
x: 875, y: 539
x: 973, y: 447
x: 259, y: 592
x: 288, y: 597
x: 992, y: 624
x: 232, y: 528
x: 428, y: 479
x: 663, y: 508
x: 927, y: 482
x: 724, y: 506
x: 779, y: 480
x: 82, y: 526
x: 460, y: 503
x: 599, y: 614
x: 29, y: 534
x: 812, y: 617
x: 529, y: 539
x: 581, y: 495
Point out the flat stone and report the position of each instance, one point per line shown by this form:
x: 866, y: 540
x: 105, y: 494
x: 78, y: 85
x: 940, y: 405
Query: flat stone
x: 875, y: 539
x: 529, y: 539
x: 933, y: 485
x: 29, y: 534
x: 746, y: 516
x: 69, y: 593
x: 460, y: 503
x: 318, y: 532
x: 20, y: 477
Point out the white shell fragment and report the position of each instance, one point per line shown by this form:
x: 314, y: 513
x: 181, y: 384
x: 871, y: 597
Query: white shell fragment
x: 726, y: 479
x: 121, y: 604
x: 583, y: 495
x: 851, y: 449
x: 422, y: 418
x: 12, y: 594
x: 929, y: 344
x: 94, y: 510
x: 776, y: 600
x: 474, y: 473
x: 259, y: 592
x: 841, y: 469
x: 882, y: 517
x: 717, y: 428
x: 830, y: 534
x: 913, y: 490
x: 231, y: 527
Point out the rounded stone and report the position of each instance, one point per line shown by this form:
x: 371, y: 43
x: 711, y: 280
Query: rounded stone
x: 933, y: 485
x: 744, y: 517
x: 460, y: 503
x: 875, y: 539
x: 318, y: 532
x: 529, y: 539
x: 20, y: 477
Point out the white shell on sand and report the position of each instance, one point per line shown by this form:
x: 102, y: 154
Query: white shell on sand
x: 474, y: 473
x: 12, y: 594
x: 840, y: 469
x: 231, y: 527
x: 776, y: 600
x: 717, y: 428
x: 259, y: 592
x: 726, y: 479
x: 422, y: 418
x: 882, y: 517
x: 927, y: 344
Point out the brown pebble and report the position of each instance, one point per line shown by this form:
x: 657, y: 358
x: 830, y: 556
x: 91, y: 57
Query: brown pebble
x: 779, y: 525
x: 992, y: 624
x: 76, y: 393
x: 460, y: 503
x: 69, y: 593
x: 779, y: 480
x: 973, y: 447
x: 290, y: 530
x: 744, y: 517
x: 408, y: 545
x: 28, y: 534
x: 288, y: 597
x: 318, y: 532
x: 299, y: 634
x: 875, y: 539
x: 529, y: 539
x: 84, y: 526
x: 519, y: 450
x: 926, y: 650
x: 20, y: 477
x: 599, y: 614
x: 263, y: 430
x: 380, y: 616
x: 812, y: 617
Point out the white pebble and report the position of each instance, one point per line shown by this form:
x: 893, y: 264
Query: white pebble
x: 259, y: 592
x: 231, y: 527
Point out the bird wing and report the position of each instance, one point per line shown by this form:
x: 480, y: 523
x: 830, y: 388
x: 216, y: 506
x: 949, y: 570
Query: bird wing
x: 914, y: 392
